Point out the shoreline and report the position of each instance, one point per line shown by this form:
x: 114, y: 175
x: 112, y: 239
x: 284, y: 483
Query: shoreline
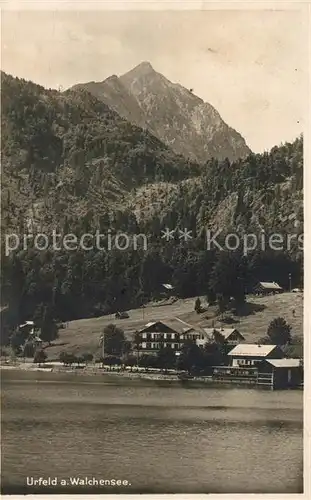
x: 122, y: 378
x: 100, y: 376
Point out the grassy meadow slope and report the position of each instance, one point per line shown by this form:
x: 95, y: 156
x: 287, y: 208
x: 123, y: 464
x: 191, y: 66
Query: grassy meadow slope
x: 83, y: 335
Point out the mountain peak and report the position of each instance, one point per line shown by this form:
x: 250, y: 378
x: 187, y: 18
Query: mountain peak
x: 142, y: 69
x: 144, y: 66
x: 172, y: 113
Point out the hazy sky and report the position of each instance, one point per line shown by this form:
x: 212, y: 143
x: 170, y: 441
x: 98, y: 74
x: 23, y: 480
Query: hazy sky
x: 250, y: 65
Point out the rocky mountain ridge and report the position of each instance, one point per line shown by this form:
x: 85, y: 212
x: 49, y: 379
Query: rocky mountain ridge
x: 171, y: 112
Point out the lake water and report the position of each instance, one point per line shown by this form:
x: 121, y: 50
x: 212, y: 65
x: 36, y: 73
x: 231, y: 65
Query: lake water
x: 161, y: 440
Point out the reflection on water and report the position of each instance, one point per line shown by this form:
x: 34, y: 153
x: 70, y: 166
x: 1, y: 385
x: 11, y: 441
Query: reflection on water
x: 158, y: 439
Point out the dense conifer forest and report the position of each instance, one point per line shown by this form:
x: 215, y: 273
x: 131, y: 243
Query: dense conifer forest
x: 71, y: 164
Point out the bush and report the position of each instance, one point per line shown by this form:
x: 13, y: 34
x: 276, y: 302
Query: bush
x: 111, y: 361
x: 40, y: 357
x: 4, y: 352
x: 68, y: 358
x: 87, y: 357
x: 29, y: 350
x: 130, y: 360
x: 211, y: 297
x: 148, y: 361
x: 197, y: 305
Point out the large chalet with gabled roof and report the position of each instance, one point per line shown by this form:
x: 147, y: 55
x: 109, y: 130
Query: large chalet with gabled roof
x: 169, y: 333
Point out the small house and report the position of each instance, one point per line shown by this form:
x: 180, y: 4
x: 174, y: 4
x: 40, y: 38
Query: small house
x: 260, y: 365
x: 267, y: 288
x: 285, y: 373
x: 168, y: 286
x: 252, y: 354
x: 186, y: 331
x: 229, y: 335
x: 166, y: 290
x: 27, y: 328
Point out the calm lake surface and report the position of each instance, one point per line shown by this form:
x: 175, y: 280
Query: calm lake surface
x: 161, y: 440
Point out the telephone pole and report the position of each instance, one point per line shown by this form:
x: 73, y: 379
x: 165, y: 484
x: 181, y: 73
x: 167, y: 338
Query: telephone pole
x: 102, y: 344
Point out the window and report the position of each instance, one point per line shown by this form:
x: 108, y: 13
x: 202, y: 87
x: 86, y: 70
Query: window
x: 148, y: 345
x: 144, y: 336
x: 168, y: 336
x: 176, y: 346
x: 143, y: 345
x: 173, y: 335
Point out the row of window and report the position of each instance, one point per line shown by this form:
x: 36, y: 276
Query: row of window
x: 157, y: 336
x: 171, y: 336
x: 246, y: 362
x: 194, y: 336
x: 157, y: 345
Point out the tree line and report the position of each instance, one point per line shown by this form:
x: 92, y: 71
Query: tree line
x: 53, y: 288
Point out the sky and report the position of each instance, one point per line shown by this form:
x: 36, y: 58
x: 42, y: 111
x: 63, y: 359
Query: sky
x: 250, y: 65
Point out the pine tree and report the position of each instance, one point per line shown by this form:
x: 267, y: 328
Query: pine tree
x: 279, y: 332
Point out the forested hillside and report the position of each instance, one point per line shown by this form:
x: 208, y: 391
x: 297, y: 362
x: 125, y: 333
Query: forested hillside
x: 262, y: 191
x: 72, y: 164
x: 69, y: 154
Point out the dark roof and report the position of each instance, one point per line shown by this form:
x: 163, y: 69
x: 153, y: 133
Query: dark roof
x: 176, y: 325
x: 225, y: 332
x: 151, y: 324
